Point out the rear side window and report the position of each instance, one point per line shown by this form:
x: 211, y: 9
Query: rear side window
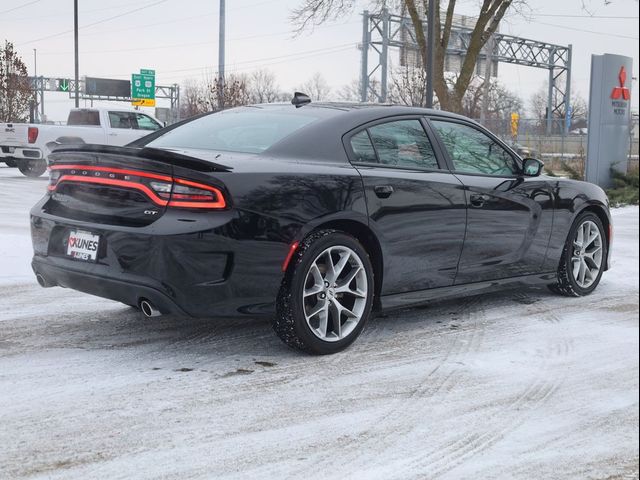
x: 84, y: 117
x: 246, y: 130
x: 401, y: 143
x: 362, y: 148
x: 122, y: 120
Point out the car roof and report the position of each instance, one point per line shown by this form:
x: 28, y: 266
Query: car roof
x: 375, y: 110
x: 322, y: 139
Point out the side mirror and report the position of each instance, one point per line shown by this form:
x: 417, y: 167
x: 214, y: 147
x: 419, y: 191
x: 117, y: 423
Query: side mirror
x: 532, y: 167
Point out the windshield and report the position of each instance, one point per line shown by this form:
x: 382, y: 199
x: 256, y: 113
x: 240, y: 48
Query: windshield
x: 246, y: 130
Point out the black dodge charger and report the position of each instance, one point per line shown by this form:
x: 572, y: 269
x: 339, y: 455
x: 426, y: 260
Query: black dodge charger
x: 314, y: 214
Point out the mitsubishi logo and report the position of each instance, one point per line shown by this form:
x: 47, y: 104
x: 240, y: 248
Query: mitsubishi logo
x: 621, y: 91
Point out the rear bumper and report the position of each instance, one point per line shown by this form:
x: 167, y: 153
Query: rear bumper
x: 192, y: 264
x: 20, y: 153
x: 126, y: 292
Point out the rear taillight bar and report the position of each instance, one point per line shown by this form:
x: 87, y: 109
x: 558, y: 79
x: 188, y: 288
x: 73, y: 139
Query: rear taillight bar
x: 163, y: 190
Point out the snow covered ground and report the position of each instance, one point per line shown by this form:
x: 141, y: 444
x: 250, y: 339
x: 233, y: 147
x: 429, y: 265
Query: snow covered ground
x: 520, y: 384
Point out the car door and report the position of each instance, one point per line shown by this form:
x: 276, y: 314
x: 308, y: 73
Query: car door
x: 509, y: 215
x: 122, y: 128
x: 416, y: 207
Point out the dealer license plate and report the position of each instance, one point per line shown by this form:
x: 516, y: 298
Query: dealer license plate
x: 83, y: 245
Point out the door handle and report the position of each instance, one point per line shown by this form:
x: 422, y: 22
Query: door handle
x: 383, y: 191
x: 478, y: 200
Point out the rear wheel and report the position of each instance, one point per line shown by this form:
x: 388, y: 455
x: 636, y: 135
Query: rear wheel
x: 32, y: 168
x: 325, y: 298
x: 583, y: 257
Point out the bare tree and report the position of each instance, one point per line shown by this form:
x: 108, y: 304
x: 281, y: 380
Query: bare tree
x: 15, y: 91
x: 233, y: 92
x: 539, y: 101
x: 263, y: 87
x: 351, y: 91
x: 491, y: 12
x: 501, y: 103
x: 408, y: 86
x: 192, y: 98
x: 316, y: 87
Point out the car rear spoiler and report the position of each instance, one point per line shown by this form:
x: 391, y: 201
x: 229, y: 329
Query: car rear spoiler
x: 157, y: 154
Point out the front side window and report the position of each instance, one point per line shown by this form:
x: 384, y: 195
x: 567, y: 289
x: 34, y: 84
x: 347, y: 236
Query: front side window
x: 403, y: 143
x: 472, y: 151
x: 144, y: 122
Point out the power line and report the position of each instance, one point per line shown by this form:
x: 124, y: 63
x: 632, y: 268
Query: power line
x: 98, y: 22
x: 258, y: 62
x: 19, y: 6
x: 605, y: 34
x: 253, y: 67
x: 341, y: 47
x: 187, y: 44
x: 30, y: 18
x: 614, y: 17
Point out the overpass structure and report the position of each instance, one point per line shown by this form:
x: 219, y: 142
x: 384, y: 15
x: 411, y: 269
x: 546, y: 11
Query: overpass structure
x: 384, y: 30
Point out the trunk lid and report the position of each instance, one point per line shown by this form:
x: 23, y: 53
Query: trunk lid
x: 115, y: 185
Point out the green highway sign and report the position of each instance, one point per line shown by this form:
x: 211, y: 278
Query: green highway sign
x: 143, y: 88
x: 63, y: 85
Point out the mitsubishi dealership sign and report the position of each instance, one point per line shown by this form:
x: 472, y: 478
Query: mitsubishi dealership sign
x: 609, y: 117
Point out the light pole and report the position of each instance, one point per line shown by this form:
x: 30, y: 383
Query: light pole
x: 75, y: 39
x: 431, y: 15
x: 221, y: 38
x: 35, y: 85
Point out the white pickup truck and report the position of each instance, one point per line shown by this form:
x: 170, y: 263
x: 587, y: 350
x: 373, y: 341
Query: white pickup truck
x: 27, y: 146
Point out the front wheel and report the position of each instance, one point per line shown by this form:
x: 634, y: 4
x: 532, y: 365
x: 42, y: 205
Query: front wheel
x: 326, y: 295
x: 32, y: 168
x: 583, y: 257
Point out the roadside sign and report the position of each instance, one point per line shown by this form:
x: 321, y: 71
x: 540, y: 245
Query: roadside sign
x: 143, y: 88
x: 143, y: 102
x: 63, y: 85
x: 515, y: 120
x: 567, y: 119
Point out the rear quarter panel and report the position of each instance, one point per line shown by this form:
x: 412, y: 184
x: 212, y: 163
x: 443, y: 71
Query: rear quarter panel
x: 273, y: 204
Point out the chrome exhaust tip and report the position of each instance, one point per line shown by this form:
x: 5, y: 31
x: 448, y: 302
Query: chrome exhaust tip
x: 42, y: 281
x: 148, y: 309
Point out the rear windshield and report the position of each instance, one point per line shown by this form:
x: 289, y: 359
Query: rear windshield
x: 246, y: 130
x: 84, y: 117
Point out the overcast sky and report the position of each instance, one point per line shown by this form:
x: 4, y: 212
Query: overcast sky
x: 178, y: 38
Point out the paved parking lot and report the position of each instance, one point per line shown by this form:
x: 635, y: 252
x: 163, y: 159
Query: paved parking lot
x: 517, y: 384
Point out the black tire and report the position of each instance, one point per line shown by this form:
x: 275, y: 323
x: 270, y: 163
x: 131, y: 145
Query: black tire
x: 11, y: 162
x: 566, y: 284
x: 32, y: 168
x: 289, y: 322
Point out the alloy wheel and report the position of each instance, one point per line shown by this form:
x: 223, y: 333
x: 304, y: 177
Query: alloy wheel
x: 586, y: 259
x: 335, y: 293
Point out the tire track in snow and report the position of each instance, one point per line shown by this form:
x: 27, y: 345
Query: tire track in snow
x: 404, y: 413
x: 445, y: 459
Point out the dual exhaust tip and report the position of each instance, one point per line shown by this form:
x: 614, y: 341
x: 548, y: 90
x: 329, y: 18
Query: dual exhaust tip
x: 147, y: 308
x: 43, y: 281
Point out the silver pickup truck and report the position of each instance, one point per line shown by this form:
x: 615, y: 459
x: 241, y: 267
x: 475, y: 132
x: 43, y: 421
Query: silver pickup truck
x: 27, y: 146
